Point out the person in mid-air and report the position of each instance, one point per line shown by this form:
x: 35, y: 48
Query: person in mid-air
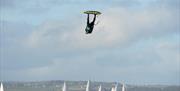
x: 90, y: 25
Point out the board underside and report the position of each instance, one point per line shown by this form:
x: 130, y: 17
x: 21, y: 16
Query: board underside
x: 92, y: 12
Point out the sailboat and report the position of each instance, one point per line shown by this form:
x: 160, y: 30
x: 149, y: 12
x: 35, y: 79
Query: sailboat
x: 99, y: 88
x: 1, y: 88
x: 114, y: 88
x: 123, y: 87
x: 87, y: 86
x: 64, y: 87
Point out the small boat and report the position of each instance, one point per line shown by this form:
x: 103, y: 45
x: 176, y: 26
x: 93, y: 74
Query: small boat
x: 87, y: 86
x: 64, y: 87
x: 1, y: 88
x: 114, y: 88
x: 99, y: 88
x: 123, y: 87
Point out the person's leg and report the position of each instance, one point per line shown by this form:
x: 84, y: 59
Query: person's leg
x: 88, y: 19
x: 94, y: 18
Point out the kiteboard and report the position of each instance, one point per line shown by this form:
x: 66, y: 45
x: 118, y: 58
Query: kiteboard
x: 92, y: 12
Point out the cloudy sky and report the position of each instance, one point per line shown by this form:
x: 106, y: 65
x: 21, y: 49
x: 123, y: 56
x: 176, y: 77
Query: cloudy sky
x: 135, y: 41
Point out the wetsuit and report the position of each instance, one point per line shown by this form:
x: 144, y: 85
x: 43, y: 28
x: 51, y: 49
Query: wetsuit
x: 90, y: 26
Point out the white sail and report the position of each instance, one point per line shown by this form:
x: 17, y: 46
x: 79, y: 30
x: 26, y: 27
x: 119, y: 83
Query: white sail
x: 123, y: 87
x: 87, y: 86
x: 114, y: 88
x: 64, y: 87
x: 99, y: 88
x: 1, y: 88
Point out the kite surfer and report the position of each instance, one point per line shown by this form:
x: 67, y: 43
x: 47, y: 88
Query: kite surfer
x: 90, y: 25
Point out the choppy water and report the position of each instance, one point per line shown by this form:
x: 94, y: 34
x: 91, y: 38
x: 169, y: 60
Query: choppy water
x: 80, y: 86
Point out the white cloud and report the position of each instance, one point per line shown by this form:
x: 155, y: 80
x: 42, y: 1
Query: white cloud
x: 117, y: 27
x: 126, y: 42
